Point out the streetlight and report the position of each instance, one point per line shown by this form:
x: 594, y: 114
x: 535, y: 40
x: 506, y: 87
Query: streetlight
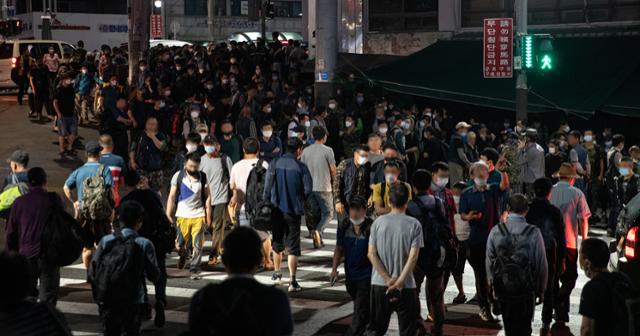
x: 157, y: 3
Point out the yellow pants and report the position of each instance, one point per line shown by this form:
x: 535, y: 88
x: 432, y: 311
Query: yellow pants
x: 192, y: 229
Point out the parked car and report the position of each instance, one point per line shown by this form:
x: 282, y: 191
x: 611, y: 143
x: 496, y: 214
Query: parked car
x: 11, y: 50
x: 168, y: 43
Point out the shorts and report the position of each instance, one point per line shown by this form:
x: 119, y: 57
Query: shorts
x: 67, y: 126
x: 94, y: 230
x: 286, y: 233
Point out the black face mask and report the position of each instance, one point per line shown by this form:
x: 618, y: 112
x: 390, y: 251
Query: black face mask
x: 193, y: 174
x: 387, y: 159
x: 227, y: 133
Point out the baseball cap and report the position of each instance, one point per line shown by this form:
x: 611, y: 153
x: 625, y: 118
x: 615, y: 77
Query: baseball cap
x: 19, y: 157
x: 462, y: 124
x: 92, y: 147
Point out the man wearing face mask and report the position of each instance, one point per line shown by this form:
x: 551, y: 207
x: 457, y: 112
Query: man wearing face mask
x: 230, y: 143
x: 531, y: 161
x: 599, y: 302
x: 626, y: 187
x: 334, y: 123
x: 352, y: 244
x: 553, y: 160
x: 270, y: 146
x: 456, y: 156
x: 575, y: 212
x: 380, y: 191
x: 390, y: 152
x: 579, y: 158
x: 351, y: 180
x: 217, y: 167
x: 596, y: 195
x: 480, y: 206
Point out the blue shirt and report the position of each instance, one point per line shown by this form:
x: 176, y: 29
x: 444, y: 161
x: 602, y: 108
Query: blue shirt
x: 149, y: 256
x: 356, y: 263
x: 486, y: 202
x: 77, y: 177
x: 288, y: 184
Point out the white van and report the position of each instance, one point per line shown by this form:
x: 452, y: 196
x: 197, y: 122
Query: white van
x: 11, y: 50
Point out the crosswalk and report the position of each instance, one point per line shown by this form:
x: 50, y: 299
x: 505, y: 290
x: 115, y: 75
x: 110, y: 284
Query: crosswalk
x: 313, y: 276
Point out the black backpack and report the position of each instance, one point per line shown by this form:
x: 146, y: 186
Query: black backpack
x: 118, y: 272
x: 512, y: 273
x: 203, y: 184
x: 260, y: 211
x: 439, y: 251
x: 62, y: 236
x: 625, y: 299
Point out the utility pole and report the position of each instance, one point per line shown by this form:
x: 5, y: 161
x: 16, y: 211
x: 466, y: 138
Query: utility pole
x: 522, y: 89
x: 326, y: 13
x: 139, y: 16
x: 263, y: 20
x: 46, y: 24
x: 211, y: 12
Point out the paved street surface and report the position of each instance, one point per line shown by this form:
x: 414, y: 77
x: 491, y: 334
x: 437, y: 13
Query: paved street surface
x: 318, y: 310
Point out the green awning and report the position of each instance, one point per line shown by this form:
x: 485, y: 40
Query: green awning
x: 587, y: 72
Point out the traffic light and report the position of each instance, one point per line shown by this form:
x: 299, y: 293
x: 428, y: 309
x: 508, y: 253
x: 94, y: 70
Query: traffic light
x: 538, y: 53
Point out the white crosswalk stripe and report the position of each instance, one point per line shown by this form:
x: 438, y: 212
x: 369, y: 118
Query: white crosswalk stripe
x: 313, y: 274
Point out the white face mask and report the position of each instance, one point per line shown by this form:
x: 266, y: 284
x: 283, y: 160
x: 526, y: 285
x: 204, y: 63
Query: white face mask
x: 332, y: 106
x: 348, y: 123
x: 362, y: 161
x: 191, y: 148
x: 307, y: 123
x: 267, y: 134
x: 143, y: 68
x: 566, y: 129
x: 201, y: 71
x: 588, y: 138
x: 480, y: 181
x: 552, y: 150
x: 114, y: 83
x: 195, y: 114
x: 203, y: 135
x: 405, y: 125
x: 210, y: 86
x: 162, y: 104
x: 456, y: 199
x: 210, y: 149
x: 167, y: 93
x: 383, y: 130
x: 441, y: 182
x: 84, y: 71
x: 357, y: 221
x: 390, y: 178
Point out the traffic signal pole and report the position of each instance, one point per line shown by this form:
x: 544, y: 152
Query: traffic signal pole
x: 326, y: 13
x: 211, y: 12
x: 521, y: 80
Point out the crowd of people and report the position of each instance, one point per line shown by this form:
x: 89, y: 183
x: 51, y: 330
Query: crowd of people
x: 228, y: 139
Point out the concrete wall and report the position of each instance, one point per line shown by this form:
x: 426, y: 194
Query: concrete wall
x: 401, y: 44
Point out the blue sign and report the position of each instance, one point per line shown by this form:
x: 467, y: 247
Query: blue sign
x: 323, y: 76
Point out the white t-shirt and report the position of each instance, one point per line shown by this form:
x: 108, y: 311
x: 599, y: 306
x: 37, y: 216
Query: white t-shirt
x: 240, y: 174
x: 190, y: 198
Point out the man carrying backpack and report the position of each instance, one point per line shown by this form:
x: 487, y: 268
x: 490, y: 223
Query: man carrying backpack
x: 548, y: 218
x: 190, y: 199
x: 517, y: 267
x: 606, y: 301
x: 247, y: 184
x: 120, y: 264
x: 29, y: 216
x: 437, y: 233
x: 93, y: 203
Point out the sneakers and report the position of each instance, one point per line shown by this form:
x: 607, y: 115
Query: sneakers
x: 159, y: 319
x: 294, y: 286
x: 195, y: 276
x: 276, y: 278
x: 496, y: 309
x: 460, y: 299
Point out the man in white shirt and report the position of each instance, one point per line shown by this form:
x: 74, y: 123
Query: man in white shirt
x: 238, y: 184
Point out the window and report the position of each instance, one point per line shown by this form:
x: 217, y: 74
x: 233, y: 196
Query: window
x: 287, y: 8
x: 403, y: 15
x: 553, y: 11
x: 195, y: 7
x: 94, y: 7
x: 68, y: 49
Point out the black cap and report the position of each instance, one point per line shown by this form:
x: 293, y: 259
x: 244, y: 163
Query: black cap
x: 20, y: 157
x: 92, y: 147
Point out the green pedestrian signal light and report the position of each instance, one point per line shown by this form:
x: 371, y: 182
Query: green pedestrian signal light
x: 537, y: 53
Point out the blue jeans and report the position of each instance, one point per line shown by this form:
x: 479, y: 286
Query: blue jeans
x: 322, y: 201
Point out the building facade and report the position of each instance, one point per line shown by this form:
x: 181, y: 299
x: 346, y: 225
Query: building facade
x: 401, y: 27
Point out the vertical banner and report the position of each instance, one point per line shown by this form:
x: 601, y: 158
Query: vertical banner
x: 497, y: 48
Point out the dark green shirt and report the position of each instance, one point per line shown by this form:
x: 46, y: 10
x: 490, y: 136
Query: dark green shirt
x: 231, y: 148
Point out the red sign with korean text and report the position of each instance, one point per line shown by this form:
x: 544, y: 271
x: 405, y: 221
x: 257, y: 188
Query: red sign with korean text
x: 497, y: 48
x: 156, y: 26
